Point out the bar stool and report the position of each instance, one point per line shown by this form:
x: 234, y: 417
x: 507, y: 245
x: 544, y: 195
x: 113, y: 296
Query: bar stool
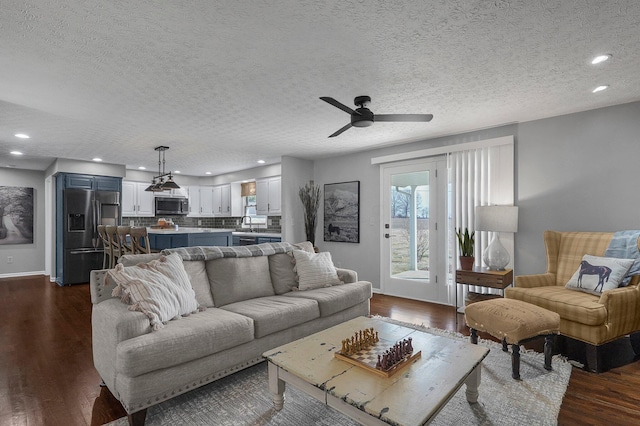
x: 114, y: 244
x: 106, y: 245
x: 123, y: 235
x: 139, y: 240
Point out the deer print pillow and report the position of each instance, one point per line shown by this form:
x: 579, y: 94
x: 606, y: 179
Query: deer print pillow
x: 597, y: 274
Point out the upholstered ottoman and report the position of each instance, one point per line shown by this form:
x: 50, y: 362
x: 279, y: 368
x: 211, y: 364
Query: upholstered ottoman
x: 515, y: 322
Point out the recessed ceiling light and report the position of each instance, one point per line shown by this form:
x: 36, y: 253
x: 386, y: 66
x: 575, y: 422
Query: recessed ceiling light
x: 177, y: 172
x: 21, y: 136
x: 97, y: 159
x: 261, y: 161
x: 207, y: 173
x: 142, y: 168
x: 600, y: 89
x: 16, y: 153
x: 600, y: 59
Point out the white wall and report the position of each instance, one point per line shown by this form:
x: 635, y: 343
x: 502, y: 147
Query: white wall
x: 28, y: 259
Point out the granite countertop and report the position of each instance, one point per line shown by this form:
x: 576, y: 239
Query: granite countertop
x: 185, y: 230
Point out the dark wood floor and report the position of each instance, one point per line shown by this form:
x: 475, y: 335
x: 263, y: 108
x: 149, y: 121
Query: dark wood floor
x: 47, y: 375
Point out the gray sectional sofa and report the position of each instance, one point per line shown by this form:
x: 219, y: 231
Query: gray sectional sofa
x: 251, y: 306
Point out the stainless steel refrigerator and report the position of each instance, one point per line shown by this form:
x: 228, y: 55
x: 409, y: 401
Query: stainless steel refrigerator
x: 84, y: 210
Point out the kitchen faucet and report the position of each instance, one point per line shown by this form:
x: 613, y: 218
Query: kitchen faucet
x: 250, y: 222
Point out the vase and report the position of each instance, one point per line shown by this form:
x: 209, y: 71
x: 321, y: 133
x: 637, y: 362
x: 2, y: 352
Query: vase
x: 466, y: 262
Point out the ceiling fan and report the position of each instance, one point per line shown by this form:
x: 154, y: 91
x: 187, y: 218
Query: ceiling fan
x: 364, y: 117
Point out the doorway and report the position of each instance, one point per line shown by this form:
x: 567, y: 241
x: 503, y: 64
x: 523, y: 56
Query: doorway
x: 413, y: 243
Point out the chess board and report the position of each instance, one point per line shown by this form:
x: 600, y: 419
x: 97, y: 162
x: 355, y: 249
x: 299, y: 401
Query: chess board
x: 368, y: 358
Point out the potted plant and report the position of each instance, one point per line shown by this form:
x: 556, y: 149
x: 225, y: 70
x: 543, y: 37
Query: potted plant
x: 466, y: 242
x: 310, y: 197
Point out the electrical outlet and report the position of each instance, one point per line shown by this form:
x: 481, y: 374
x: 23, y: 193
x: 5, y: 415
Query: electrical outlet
x: 223, y: 222
x: 199, y: 222
x: 132, y: 223
x: 9, y: 259
x: 269, y: 222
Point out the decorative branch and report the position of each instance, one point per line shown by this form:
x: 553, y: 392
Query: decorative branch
x: 310, y: 197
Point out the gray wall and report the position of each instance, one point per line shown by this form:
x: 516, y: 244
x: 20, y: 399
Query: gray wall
x: 576, y: 172
x: 27, y: 258
x: 573, y: 172
x: 295, y: 173
x: 365, y: 256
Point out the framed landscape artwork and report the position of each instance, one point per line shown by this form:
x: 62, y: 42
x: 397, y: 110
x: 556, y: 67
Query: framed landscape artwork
x: 342, y: 212
x: 16, y: 215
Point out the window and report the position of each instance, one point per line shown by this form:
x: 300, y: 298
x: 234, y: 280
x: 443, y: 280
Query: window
x: 250, y: 217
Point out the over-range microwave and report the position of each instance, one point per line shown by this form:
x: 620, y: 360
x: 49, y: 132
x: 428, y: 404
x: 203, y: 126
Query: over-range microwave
x: 172, y: 206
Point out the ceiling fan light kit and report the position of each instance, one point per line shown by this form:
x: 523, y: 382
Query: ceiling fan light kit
x: 158, y: 183
x: 364, y: 117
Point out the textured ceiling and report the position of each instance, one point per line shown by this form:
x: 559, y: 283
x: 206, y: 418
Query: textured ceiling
x: 225, y: 83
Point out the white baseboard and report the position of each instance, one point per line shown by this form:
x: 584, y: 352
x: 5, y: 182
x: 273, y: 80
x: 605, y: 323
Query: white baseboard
x: 22, y: 274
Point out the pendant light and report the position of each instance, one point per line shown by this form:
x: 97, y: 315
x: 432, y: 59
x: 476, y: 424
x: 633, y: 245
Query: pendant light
x: 158, y: 183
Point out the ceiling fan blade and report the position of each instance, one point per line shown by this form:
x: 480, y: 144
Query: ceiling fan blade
x: 347, y: 127
x: 403, y: 117
x: 338, y: 105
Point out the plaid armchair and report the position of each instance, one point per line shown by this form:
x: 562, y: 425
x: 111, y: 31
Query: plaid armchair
x: 592, y: 319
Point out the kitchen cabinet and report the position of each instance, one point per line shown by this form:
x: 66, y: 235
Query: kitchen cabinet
x: 175, y: 239
x: 95, y: 183
x: 193, y: 193
x: 201, y: 203
x: 268, y: 196
x: 173, y: 193
x: 136, y: 201
x: 222, y: 200
x: 206, y: 201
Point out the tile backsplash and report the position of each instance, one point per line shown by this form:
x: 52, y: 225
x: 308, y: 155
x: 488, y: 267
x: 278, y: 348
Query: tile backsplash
x: 206, y: 222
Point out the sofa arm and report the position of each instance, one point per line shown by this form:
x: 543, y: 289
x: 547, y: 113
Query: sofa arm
x: 623, y: 309
x: 347, y: 275
x: 100, y: 291
x: 112, y: 322
x: 537, y: 280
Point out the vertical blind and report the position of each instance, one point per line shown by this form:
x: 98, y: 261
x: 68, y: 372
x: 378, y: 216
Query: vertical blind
x: 478, y: 177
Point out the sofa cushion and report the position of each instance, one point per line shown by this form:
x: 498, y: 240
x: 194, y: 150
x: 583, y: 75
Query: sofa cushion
x: 275, y: 313
x: 199, y: 281
x: 160, y: 289
x: 577, y: 306
x: 190, y: 338
x: 315, y: 270
x: 596, y: 272
x: 236, y: 279
x: 283, y: 277
x: 336, y: 298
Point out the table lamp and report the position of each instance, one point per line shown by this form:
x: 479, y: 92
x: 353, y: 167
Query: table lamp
x: 496, y: 219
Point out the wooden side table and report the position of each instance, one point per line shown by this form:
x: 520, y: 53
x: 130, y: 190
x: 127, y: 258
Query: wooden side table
x: 483, y: 277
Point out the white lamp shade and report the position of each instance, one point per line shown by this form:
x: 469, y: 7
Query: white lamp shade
x: 497, y: 218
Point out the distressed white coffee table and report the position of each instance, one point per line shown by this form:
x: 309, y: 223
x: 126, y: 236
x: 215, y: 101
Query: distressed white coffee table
x: 413, y: 396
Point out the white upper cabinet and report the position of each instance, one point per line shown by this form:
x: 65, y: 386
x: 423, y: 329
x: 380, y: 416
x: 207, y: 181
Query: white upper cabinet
x: 136, y: 201
x: 194, y: 201
x: 206, y: 201
x: 268, y: 196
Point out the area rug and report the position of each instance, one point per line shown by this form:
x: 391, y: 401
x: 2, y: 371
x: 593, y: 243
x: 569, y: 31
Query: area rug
x: 243, y: 398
